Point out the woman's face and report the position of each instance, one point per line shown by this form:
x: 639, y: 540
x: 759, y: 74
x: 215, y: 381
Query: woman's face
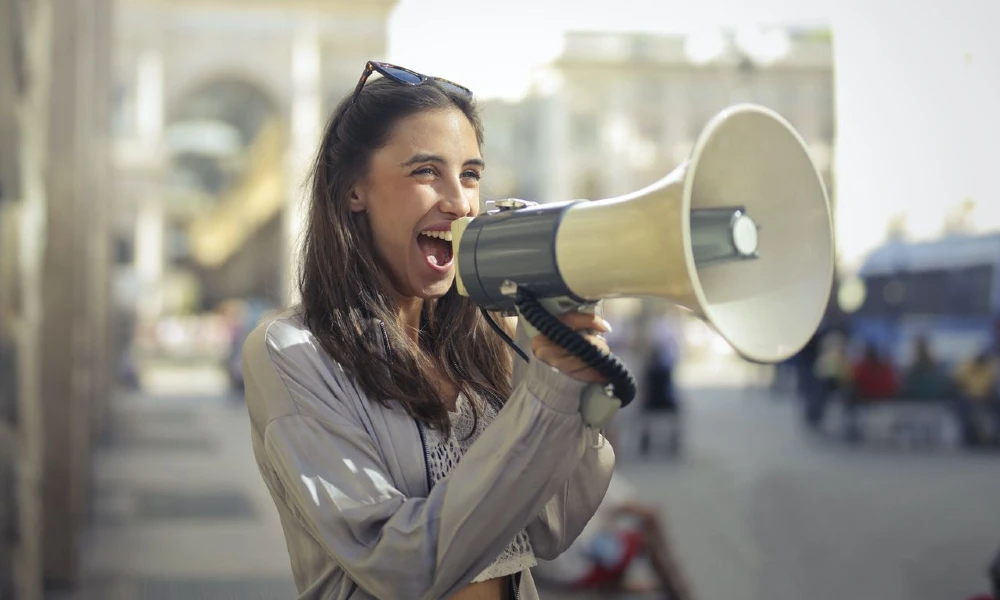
x: 425, y: 177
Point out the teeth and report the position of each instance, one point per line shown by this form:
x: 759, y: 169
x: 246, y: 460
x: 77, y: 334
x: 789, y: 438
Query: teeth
x: 441, y: 235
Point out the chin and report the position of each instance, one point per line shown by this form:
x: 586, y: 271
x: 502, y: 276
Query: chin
x: 437, y: 289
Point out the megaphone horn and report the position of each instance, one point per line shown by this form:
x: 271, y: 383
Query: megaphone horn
x: 740, y: 234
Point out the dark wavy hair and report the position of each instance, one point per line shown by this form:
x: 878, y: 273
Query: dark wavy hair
x: 343, y: 287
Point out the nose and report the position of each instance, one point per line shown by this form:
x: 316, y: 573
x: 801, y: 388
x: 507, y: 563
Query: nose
x: 457, y: 199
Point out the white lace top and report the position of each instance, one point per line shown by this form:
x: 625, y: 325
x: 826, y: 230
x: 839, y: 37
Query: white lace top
x: 444, y: 453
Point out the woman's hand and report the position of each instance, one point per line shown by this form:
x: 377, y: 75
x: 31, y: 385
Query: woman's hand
x: 551, y: 354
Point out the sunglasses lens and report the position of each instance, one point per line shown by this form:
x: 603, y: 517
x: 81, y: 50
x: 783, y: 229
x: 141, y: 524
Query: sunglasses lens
x: 403, y: 76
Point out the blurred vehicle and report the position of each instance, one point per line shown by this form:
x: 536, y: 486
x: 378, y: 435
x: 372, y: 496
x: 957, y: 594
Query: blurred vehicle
x: 945, y: 290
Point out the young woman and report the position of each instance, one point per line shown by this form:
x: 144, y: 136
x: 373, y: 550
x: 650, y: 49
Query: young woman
x: 407, y: 456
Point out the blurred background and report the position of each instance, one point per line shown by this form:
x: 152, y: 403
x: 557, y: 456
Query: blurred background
x: 152, y: 158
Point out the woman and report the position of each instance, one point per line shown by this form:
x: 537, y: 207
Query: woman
x: 363, y: 399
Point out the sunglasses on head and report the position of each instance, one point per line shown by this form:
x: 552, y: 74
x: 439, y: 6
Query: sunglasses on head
x: 405, y: 77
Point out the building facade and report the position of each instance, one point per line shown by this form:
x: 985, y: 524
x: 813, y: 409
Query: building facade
x: 616, y: 112
x: 218, y: 111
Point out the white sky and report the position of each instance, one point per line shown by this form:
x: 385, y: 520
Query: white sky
x: 917, y: 83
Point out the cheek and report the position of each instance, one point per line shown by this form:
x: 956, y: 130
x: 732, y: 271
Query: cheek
x: 391, y: 236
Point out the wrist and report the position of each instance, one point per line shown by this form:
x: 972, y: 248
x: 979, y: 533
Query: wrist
x: 552, y: 387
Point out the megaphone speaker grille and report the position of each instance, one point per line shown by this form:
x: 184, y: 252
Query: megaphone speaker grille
x: 766, y: 308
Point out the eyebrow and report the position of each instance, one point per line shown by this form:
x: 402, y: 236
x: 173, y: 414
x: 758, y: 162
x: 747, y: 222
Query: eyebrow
x: 424, y: 157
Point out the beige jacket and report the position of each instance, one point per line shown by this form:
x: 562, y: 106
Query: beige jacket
x: 349, y: 477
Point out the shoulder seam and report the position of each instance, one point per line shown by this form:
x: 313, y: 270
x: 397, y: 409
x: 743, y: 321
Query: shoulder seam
x: 281, y: 376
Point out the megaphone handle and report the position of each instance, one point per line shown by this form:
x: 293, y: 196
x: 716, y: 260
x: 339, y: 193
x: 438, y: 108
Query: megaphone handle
x: 598, y: 403
x: 560, y: 306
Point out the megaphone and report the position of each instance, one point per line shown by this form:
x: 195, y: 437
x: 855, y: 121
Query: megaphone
x: 740, y: 234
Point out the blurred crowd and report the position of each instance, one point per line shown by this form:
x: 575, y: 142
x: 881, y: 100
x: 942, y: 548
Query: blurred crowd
x: 827, y: 373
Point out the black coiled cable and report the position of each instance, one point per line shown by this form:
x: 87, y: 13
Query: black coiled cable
x: 622, y: 382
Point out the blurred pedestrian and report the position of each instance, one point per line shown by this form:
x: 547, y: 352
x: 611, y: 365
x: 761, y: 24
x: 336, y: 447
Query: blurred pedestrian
x: 832, y: 372
x: 661, y: 405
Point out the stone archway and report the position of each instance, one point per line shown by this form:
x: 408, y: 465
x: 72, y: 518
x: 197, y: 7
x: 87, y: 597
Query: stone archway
x: 215, y: 136
x: 211, y: 126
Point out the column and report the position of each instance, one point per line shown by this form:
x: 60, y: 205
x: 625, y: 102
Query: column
x: 306, y: 127
x: 619, y: 136
x: 149, y: 228
x: 73, y: 282
x: 27, y: 314
x: 60, y: 332
x: 100, y: 254
x: 555, y: 154
x: 10, y: 160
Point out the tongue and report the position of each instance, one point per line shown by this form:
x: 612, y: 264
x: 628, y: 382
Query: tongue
x: 437, y: 251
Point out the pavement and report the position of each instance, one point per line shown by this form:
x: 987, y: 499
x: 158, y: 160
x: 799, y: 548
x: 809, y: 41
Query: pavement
x: 757, y: 508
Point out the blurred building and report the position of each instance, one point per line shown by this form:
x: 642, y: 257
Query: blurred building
x: 218, y: 108
x: 55, y: 348
x: 617, y: 111
x: 152, y: 155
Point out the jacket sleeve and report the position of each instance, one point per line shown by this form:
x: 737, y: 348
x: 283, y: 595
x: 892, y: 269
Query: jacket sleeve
x: 575, y: 502
x: 335, y: 481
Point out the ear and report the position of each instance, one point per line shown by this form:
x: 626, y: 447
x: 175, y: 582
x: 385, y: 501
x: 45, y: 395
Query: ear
x: 359, y: 198
x: 357, y: 201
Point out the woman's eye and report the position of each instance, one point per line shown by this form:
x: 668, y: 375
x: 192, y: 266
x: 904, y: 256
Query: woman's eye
x: 473, y: 175
x: 424, y: 171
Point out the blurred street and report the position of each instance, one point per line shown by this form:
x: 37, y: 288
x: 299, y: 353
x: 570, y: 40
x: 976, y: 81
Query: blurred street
x: 757, y: 508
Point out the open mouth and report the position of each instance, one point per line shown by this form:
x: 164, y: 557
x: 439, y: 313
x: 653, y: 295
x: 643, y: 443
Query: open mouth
x: 436, y: 247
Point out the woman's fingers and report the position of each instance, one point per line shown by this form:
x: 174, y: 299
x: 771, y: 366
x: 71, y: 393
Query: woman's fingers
x: 555, y: 356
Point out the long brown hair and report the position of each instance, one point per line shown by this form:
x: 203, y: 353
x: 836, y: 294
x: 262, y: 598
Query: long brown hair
x: 344, y: 291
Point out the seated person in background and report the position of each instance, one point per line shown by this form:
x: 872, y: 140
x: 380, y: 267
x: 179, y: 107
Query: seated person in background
x: 873, y: 376
x: 976, y: 383
x: 976, y: 378
x: 832, y: 372
x: 621, y: 531
x: 925, y: 379
x: 873, y: 379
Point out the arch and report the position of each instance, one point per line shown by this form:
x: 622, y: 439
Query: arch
x: 232, y: 98
x: 210, y: 124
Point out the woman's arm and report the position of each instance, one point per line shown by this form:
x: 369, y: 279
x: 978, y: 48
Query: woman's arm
x: 334, y: 479
x: 575, y: 502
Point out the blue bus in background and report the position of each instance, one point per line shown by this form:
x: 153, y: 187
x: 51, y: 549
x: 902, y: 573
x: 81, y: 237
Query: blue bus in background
x: 945, y: 290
